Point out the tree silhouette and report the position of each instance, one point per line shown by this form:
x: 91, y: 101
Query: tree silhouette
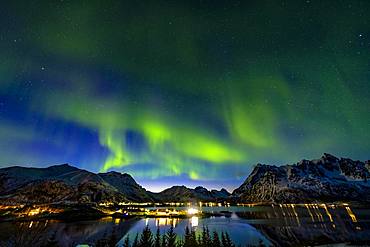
x: 157, y: 239
x: 260, y: 243
x: 171, y: 238
x: 226, y: 241
x: 103, y: 242
x: 52, y: 240
x: 136, y: 241
x: 126, y: 243
x: 146, y: 239
x: 199, y: 240
x: 188, y: 238
x: 193, y: 238
x: 164, y: 241
x: 216, y: 240
x: 112, y: 241
x: 206, y: 238
x: 180, y: 243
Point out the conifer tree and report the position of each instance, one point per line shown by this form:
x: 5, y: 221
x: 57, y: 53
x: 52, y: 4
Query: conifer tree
x: 194, y: 240
x: 230, y: 243
x: 190, y: 238
x: 136, y: 241
x: 223, y: 240
x: 187, y: 238
x: 171, y: 237
x: 216, y: 240
x: 52, y: 240
x: 206, y: 238
x: 157, y: 239
x: 260, y: 243
x: 164, y: 241
x: 103, y: 242
x: 112, y: 241
x: 180, y: 243
x: 126, y: 243
x: 146, y: 238
x: 199, y: 240
x: 226, y: 241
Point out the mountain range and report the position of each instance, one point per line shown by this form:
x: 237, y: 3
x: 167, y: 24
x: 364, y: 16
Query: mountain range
x: 68, y: 184
x: 328, y: 179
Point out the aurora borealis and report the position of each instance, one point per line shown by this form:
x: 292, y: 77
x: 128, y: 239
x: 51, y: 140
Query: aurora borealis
x: 183, y: 92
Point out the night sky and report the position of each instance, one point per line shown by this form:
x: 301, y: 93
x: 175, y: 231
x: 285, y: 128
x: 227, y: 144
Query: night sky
x: 183, y: 92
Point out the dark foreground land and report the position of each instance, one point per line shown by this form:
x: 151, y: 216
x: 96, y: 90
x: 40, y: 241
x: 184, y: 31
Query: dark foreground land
x: 252, y: 225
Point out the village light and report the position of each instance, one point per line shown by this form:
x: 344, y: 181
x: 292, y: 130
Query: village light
x: 192, y: 211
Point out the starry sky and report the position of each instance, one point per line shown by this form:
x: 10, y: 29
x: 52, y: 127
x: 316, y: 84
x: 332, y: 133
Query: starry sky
x: 183, y: 92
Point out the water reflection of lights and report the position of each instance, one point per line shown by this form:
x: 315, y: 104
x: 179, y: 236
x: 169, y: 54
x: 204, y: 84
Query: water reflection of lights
x: 327, y: 212
x: 161, y: 222
x: 293, y: 209
x: 318, y: 214
x: 194, y: 221
x: 316, y: 211
x: 166, y: 221
x: 295, y: 214
x: 351, y: 214
x: 282, y: 210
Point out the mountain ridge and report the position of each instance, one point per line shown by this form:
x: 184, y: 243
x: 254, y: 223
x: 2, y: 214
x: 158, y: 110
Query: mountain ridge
x: 68, y: 183
x: 181, y: 193
x: 325, y: 179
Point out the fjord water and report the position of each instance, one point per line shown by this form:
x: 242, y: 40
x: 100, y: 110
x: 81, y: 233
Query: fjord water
x: 239, y: 230
x: 284, y: 225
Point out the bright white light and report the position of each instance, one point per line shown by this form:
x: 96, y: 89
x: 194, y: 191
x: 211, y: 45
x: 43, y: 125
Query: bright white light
x: 192, y: 211
x: 194, y: 221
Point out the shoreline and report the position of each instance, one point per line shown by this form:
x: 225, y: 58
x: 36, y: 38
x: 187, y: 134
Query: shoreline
x: 76, y: 212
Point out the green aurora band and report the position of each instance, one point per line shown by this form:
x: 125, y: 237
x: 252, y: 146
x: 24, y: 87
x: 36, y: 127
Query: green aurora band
x: 208, y: 89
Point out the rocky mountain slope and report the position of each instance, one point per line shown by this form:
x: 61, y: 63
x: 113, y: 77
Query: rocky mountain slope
x: 325, y: 179
x: 184, y: 194
x: 125, y: 184
x: 15, y: 177
x: 65, y: 183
